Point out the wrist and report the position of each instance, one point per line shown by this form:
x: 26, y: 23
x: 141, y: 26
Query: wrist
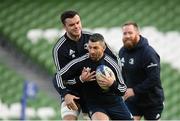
x: 81, y: 79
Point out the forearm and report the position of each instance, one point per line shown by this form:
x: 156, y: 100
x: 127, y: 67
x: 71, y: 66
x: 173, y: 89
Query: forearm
x: 118, y: 88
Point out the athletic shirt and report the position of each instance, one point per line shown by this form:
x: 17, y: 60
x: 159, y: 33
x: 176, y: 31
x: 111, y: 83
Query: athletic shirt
x: 66, y: 50
x: 92, y: 92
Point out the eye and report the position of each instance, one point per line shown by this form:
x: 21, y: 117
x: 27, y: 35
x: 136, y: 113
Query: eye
x: 71, y: 25
x: 96, y: 48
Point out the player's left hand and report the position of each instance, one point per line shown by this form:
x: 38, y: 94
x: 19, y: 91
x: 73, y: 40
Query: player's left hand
x: 129, y: 93
x: 106, y: 81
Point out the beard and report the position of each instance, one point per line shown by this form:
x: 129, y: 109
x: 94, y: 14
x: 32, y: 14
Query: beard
x: 130, y: 43
x: 95, y: 57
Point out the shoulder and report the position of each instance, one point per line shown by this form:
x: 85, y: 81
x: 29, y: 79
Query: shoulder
x: 110, y: 60
x: 60, y: 42
x: 149, y: 50
x: 146, y: 47
x: 150, y: 54
x: 77, y: 60
x: 121, y: 51
x: 85, y: 37
x: 113, y: 64
x: 81, y: 58
x: 87, y: 33
x: 107, y: 56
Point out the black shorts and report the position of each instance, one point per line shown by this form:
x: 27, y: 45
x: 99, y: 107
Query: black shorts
x: 118, y: 111
x: 148, y: 112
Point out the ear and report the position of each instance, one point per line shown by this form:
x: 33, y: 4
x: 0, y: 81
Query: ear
x: 104, y: 45
x: 104, y: 48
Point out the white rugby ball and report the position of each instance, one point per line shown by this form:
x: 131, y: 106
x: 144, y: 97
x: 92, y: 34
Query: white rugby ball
x: 104, y: 70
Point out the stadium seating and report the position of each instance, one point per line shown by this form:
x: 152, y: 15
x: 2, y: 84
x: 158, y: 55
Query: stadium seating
x: 17, y: 18
x: 25, y: 15
x: 11, y: 90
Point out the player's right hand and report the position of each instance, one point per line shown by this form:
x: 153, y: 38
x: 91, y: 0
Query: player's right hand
x: 129, y: 93
x: 87, y: 75
x: 70, y: 101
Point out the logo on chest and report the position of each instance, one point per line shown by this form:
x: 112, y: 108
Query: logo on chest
x: 130, y: 61
x: 86, y: 46
x: 72, y: 53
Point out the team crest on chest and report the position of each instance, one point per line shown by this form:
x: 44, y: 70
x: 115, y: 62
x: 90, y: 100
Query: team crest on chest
x: 86, y: 46
x: 131, y: 61
x: 72, y: 53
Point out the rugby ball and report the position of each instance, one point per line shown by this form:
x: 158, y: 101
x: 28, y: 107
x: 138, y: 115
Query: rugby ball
x: 104, y: 70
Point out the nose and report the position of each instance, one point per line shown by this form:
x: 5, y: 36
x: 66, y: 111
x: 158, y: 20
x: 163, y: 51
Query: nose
x: 126, y: 35
x: 91, y: 51
x: 76, y: 25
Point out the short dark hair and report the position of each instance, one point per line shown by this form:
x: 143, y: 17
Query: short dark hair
x: 96, y: 37
x: 68, y: 14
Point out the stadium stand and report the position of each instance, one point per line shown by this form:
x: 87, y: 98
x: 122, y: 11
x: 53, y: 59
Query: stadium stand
x: 18, y: 18
x: 11, y: 90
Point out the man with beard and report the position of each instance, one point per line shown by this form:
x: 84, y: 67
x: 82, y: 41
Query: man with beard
x: 103, y: 104
x: 141, y: 73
